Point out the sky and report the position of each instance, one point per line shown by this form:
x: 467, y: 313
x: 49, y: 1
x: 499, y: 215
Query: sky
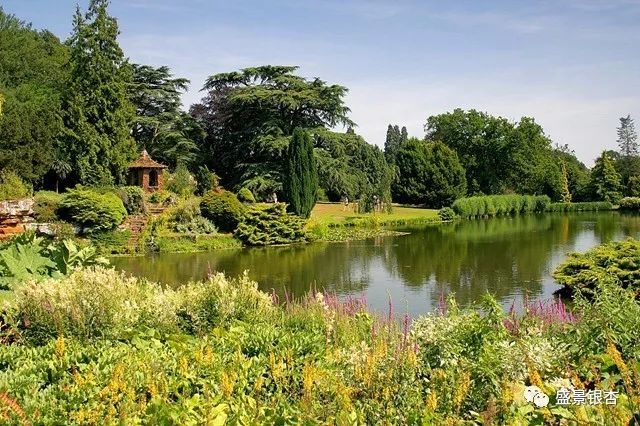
x: 573, y: 65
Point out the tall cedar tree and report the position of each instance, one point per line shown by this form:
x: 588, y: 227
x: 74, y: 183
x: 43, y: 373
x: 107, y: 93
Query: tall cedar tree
x: 301, y: 178
x: 249, y: 116
x: 169, y: 134
x: 97, y: 142
x: 605, y: 180
x: 628, y: 163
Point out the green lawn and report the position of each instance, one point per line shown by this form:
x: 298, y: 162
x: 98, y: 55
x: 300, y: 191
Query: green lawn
x: 337, y: 213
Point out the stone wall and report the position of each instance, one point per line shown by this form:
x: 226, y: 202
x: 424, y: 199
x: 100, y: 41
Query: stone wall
x: 15, y: 215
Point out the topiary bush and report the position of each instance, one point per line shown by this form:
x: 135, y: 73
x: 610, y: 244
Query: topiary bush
x: 133, y: 199
x: 92, y: 211
x: 222, y: 208
x: 46, y: 205
x: 246, y: 196
x: 271, y: 225
x: 12, y: 187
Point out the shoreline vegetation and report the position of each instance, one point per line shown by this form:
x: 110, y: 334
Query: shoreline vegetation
x: 220, y: 351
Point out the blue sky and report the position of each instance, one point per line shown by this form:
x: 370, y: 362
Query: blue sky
x: 574, y: 65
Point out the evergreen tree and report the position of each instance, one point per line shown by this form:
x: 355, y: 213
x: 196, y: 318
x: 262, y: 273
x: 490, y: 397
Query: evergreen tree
x: 97, y: 141
x: 301, y: 177
x: 565, y: 194
x: 392, y: 143
x: 404, y: 135
x: 605, y: 180
x: 627, y: 137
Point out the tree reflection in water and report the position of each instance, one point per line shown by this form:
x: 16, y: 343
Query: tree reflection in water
x: 508, y: 257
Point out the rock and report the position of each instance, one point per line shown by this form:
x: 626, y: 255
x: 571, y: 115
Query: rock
x: 14, y: 214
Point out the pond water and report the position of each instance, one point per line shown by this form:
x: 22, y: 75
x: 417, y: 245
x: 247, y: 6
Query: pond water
x: 508, y: 257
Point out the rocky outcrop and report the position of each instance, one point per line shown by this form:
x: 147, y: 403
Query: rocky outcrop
x: 15, y: 215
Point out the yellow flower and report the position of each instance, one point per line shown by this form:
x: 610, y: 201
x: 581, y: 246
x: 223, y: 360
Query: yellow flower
x: 432, y: 401
x: 59, y: 347
x: 461, y: 390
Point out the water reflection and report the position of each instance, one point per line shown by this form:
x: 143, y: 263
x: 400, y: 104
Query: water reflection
x: 507, y: 257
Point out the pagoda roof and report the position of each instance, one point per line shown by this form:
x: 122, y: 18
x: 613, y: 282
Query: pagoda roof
x: 145, y: 162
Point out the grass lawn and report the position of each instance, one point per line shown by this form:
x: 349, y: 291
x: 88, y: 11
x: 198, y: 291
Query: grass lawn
x: 336, y: 213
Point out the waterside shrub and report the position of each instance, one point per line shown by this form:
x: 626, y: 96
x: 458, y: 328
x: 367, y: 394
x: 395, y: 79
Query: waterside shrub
x: 271, y: 225
x: 630, y: 204
x: 592, y: 206
x: 447, y: 214
x: 616, y: 261
x: 499, y: 205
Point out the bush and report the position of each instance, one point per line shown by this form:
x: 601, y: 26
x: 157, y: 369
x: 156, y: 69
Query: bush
x: 447, y: 214
x: 206, y: 180
x: 45, y: 206
x: 112, y: 242
x: 12, y: 187
x: 133, y: 199
x: 580, y: 207
x: 271, y: 225
x: 181, y: 182
x: 103, y: 303
x: 630, y: 204
x: 222, y: 208
x: 93, y: 211
x: 498, y: 205
x: 246, y: 196
x: 161, y: 197
x: 620, y: 261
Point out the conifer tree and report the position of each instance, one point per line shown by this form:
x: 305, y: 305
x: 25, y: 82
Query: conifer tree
x: 605, y: 180
x: 301, y: 178
x: 97, y: 141
x: 627, y: 137
x: 404, y: 135
x: 564, y: 189
x: 392, y: 143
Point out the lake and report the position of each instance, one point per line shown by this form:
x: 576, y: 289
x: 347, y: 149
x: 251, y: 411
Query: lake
x: 508, y: 257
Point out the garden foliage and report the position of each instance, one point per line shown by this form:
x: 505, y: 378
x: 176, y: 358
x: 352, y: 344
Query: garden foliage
x: 223, y: 209
x: 630, y: 204
x: 12, y: 187
x: 46, y: 205
x: 500, y: 205
x: 271, y: 225
x: 592, y: 206
x: 91, y: 210
x: 246, y: 196
x: 620, y: 261
x: 133, y: 199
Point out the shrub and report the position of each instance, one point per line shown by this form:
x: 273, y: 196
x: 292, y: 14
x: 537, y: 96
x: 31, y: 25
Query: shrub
x: 206, y: 180
x: 497, y: 205
x: 12, y: 187
x: 45, y: 206
x: 133, y: 199
x: 580, y: 207
x: 271, y: 225
x: 161, y: 197
x: 103, y: 303
x: 181, y: 182
x: 222, y: 208
x: 630, y: 204
x: 246, y: 196
x: 93, y: 211
x: 112, y: 242
x: 447, y: 214
x: 620, y: 261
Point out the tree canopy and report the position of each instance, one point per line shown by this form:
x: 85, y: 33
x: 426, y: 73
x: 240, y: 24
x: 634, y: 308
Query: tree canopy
x: 98, y: 112
x: 429, y: 173
x: 249, y: 116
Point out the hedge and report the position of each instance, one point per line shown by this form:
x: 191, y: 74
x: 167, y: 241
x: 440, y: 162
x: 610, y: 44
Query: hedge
x: 500, y: 205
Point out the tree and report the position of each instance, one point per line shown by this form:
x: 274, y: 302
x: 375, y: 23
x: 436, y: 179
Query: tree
x: 404, y: 135
x: 97, y: 111
x: 349, y: 166
x: 160, y: 126
x: 249, y: 116
x: 627, y: 137
x: 430, y: 174
x: 605, y: 180
x: 628, y: 164
x: 394, y: 139
x: 301, y: 178
x: 577, y: 174
x: 565, y: 194
x: 32, y: 79
x: 498, y: 155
